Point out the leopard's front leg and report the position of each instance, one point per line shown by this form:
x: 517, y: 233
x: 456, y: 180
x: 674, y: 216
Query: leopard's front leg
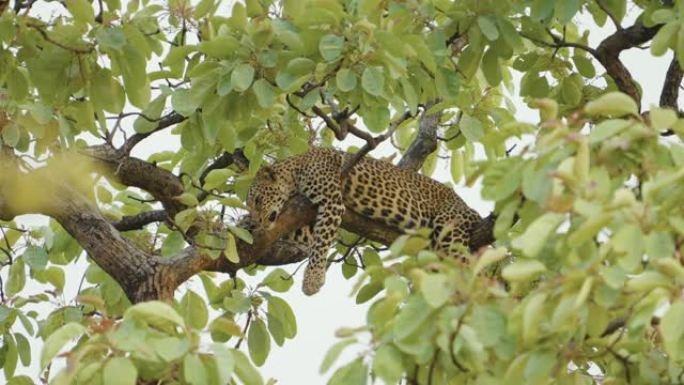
x: 328, y: 219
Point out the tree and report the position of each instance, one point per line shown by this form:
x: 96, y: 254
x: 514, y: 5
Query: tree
x: 582, y: 285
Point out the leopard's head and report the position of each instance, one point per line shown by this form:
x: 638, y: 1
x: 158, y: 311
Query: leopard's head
x: 267, y: 195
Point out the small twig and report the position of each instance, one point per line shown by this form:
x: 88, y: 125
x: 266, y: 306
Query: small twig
x: 431, y: 371
x: 558, y: 43
x: 244, y: 330
x: 625, y: 363
x: 141, y: 200
x: 292, y: 105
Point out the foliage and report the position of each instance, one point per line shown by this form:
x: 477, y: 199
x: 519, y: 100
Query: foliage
x: 586, y: 277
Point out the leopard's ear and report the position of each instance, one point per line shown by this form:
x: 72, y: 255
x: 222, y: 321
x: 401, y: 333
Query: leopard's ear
x: 269, y: 173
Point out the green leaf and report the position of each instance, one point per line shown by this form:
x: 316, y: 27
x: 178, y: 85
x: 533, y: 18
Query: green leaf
x: 217, y: 178
x: 156, y: 314
x: 220, y: 47
x: 182, y: 103
x: 265, y: 93
x: 242, y: 77
x: 202, y: 8
x: 106, y: 93
x: 488, y: 27
x: 607, y: 129
x: 20, y: 380
x: 665, y: 38
x: 376, y: 119
x: 56, y: 341
x: 247, y: 374
x: 194, y: 371
x: 81, y: 10
x: 10, y: 135
x: 373, y: 80
x: 23, y: 348
x: 278, y: 280
x: 489, y: 323
x: 672, y: 331
x: 194, y: 310
x: 173, y: 243
x: 662, y: 118
x: 345, y: 80
x: 36, y: 257
x: 170, y: 348
x: 134, y: 72
x: 410, y: 317
x: 231, y: 251
x: 566, y: 10
x: 471, y: 128
x: 277, y: 305
x: 584, y: 66
x: 533, y: 239
x: 241, y: 233
x: 355, y: 373
x: 17, y: 278
x: 334, y: 353
x: 225, y: 363
x: 612, y: 104
x: 258, y: 342
x: 330, y: 46
x: 112, y: 37
x: 436, y: 289
x: 119, y: 371
x: 542, y: 9
x: 17, y: 85
x: 523, y: 270
x: 387, y: 364
x: 188, y: 199
x: 491, y: 67
x: 148, y: 122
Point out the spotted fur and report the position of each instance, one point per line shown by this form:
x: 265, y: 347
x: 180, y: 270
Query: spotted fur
x: 375, y: 189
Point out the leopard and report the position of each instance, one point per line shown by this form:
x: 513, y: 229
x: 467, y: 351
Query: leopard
x: 375, y: 189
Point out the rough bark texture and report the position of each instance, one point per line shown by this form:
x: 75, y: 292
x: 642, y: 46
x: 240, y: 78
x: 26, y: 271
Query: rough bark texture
x: 673, y: 79
x: 608, y: 54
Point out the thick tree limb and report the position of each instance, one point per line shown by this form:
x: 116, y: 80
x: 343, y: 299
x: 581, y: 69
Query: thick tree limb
x: 608, y: 54
x: 673, y: 79
x: 162, y: 184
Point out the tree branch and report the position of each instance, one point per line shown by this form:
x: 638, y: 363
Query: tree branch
x: 673, y: 79
x: 608, y: 54
x: 164, y: 122
x: 426, y: 140
x: 137, y: 222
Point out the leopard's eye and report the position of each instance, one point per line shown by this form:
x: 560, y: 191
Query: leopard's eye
x: 272, y: 216
x: 257, y: 201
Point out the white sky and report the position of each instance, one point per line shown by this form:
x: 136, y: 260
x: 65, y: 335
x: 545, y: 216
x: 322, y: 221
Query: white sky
x: 318, y: 317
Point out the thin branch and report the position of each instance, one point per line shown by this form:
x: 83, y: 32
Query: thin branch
x: 164, y: 122
x: 77, y: 50
x: 139, y: 221
x: 558, y: 43
x: 244, y: 330
x: 371, y: 142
